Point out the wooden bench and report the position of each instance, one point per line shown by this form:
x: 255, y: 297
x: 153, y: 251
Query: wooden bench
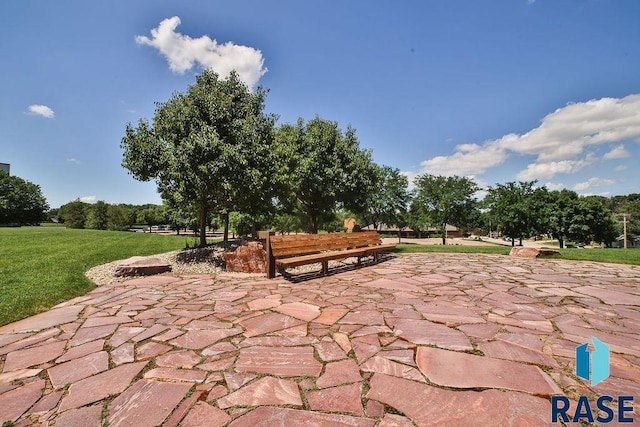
x: 295, y: 250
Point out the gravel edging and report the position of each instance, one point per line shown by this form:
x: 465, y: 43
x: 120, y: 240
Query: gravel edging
x: 206, y: 260
x: 183, y: 261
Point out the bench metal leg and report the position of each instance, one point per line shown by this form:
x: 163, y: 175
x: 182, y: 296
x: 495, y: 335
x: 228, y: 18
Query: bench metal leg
x: 325, y: 267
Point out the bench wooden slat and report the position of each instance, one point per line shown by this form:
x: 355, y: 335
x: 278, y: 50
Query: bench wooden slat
x: 283, y: 246
x: 316, y: 258
x: 295, y: 250
x: 328, y: 256
x: 356, y: 243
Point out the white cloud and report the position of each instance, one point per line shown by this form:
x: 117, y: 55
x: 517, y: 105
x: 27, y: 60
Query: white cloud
x: 547, y: 170
x: 552, y: 186
x: 480, y: 194
x: 568, y: 131
x: 469, y: 159
x: 593, y: 182
x: 74, y: 161
x: 41, y: 110
x: 558, y: 144
x: 617, y: 153
x: 183, y: 53
x: 88, y: 199
x: 621, y: 168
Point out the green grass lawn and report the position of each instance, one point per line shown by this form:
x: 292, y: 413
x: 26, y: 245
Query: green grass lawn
x: 43, y: 266
x: 460, y: 249
x: 618, y: 256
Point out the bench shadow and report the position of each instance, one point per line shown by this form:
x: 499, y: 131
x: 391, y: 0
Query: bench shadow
x: 306, y: 276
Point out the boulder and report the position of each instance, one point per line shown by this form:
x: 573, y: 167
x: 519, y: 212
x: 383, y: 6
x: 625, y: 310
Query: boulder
x: 523, y: 252
x: 249, y: 258
x: 141, y: 266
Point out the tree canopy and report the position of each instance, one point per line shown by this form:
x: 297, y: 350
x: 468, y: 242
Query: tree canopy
x: 516, y: 208
x: 320, y: 168
x: 21, y: 201
x: 388, y: 201
x: 579, y: 219
x: 213, y: 149
x: 208, y: 149
x: 445, y: 199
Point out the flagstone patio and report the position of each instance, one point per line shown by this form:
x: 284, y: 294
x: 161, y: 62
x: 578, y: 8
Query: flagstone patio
x: 424, y: 339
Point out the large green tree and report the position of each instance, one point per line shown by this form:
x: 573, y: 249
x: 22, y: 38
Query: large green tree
x: 579, y: 219
x: 446, y: 199
x: 209, y: 149
x: 516, y: 209
x: 119, y: 217
x: 603, y: 227
x: 74, y: 214
x: 388, y: 201
x: 417, y: 218
x: 98, y: 216
x: 320, y: 170
x: 21, y: 201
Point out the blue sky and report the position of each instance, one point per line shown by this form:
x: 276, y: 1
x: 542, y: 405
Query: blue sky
x: 499, y: 90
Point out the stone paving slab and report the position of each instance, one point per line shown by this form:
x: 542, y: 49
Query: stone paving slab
x: 417, y: 340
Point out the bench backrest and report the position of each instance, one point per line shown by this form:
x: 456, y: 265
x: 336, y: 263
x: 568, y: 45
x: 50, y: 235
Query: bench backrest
x: 303, y: 244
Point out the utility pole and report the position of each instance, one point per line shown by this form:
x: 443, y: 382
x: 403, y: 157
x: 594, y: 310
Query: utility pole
x: 624, y: 225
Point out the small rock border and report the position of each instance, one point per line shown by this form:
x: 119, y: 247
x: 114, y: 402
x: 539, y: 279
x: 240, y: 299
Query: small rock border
x: 207, y: 260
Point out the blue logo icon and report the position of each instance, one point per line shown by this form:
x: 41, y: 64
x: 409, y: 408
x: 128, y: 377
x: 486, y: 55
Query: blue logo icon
x: 594, y: 366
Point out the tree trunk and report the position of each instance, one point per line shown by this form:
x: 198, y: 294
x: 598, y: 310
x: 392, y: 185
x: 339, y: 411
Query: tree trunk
x: 520, y: 241
x: 513, y: 242
x: 225, y: 217
x: 444, y: 233
x: 203, y: 227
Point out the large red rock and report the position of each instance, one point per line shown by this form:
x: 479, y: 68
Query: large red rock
x: 15, y: 402
x: 141, y: 266
x: 267, y: 416
x: 467, y: 371
x: 431, y: 406
x: 279, y: 361
x: 249, y: 258
x: 147, y: 402
x: 523, y: 252
x: 264, y: 391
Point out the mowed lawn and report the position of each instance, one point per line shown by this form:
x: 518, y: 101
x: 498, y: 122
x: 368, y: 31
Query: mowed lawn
x: 44, y: 266
x: 41, y: 267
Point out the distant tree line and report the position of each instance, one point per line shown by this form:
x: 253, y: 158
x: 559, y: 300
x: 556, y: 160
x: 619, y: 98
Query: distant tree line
x: 520, y: 210
x: 99, y: 215
x: 515, y: 210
